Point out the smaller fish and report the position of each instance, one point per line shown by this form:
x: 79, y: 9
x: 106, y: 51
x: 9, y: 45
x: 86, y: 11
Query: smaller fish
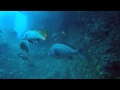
x: 23, y: 56
x: 24, y: 47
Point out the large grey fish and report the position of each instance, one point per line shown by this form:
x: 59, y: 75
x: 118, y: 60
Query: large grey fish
x: 62, y: 51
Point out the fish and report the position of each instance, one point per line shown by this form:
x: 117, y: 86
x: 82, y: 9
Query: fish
x: 23, y: 56
x: 34, y: 35
x: 25, y: 48
x: 58, y: 37
x: 60, y: 50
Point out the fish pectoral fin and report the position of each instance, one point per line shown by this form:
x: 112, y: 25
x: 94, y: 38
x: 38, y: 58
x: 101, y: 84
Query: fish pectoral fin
x: 29, y: 41
x: 43, y: 33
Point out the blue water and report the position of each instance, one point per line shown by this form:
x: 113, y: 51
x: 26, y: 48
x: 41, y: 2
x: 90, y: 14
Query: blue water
x: 95, y: 34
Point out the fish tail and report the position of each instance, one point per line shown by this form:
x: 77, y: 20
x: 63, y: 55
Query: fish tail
x: 44, y: 34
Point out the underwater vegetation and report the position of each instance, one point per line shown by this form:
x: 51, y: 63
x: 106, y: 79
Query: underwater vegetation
x: 94, y: 34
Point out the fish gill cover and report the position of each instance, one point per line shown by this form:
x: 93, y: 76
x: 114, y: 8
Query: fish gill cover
x: 95, y: 32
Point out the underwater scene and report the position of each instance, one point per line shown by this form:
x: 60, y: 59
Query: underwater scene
x: 59, y: 44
